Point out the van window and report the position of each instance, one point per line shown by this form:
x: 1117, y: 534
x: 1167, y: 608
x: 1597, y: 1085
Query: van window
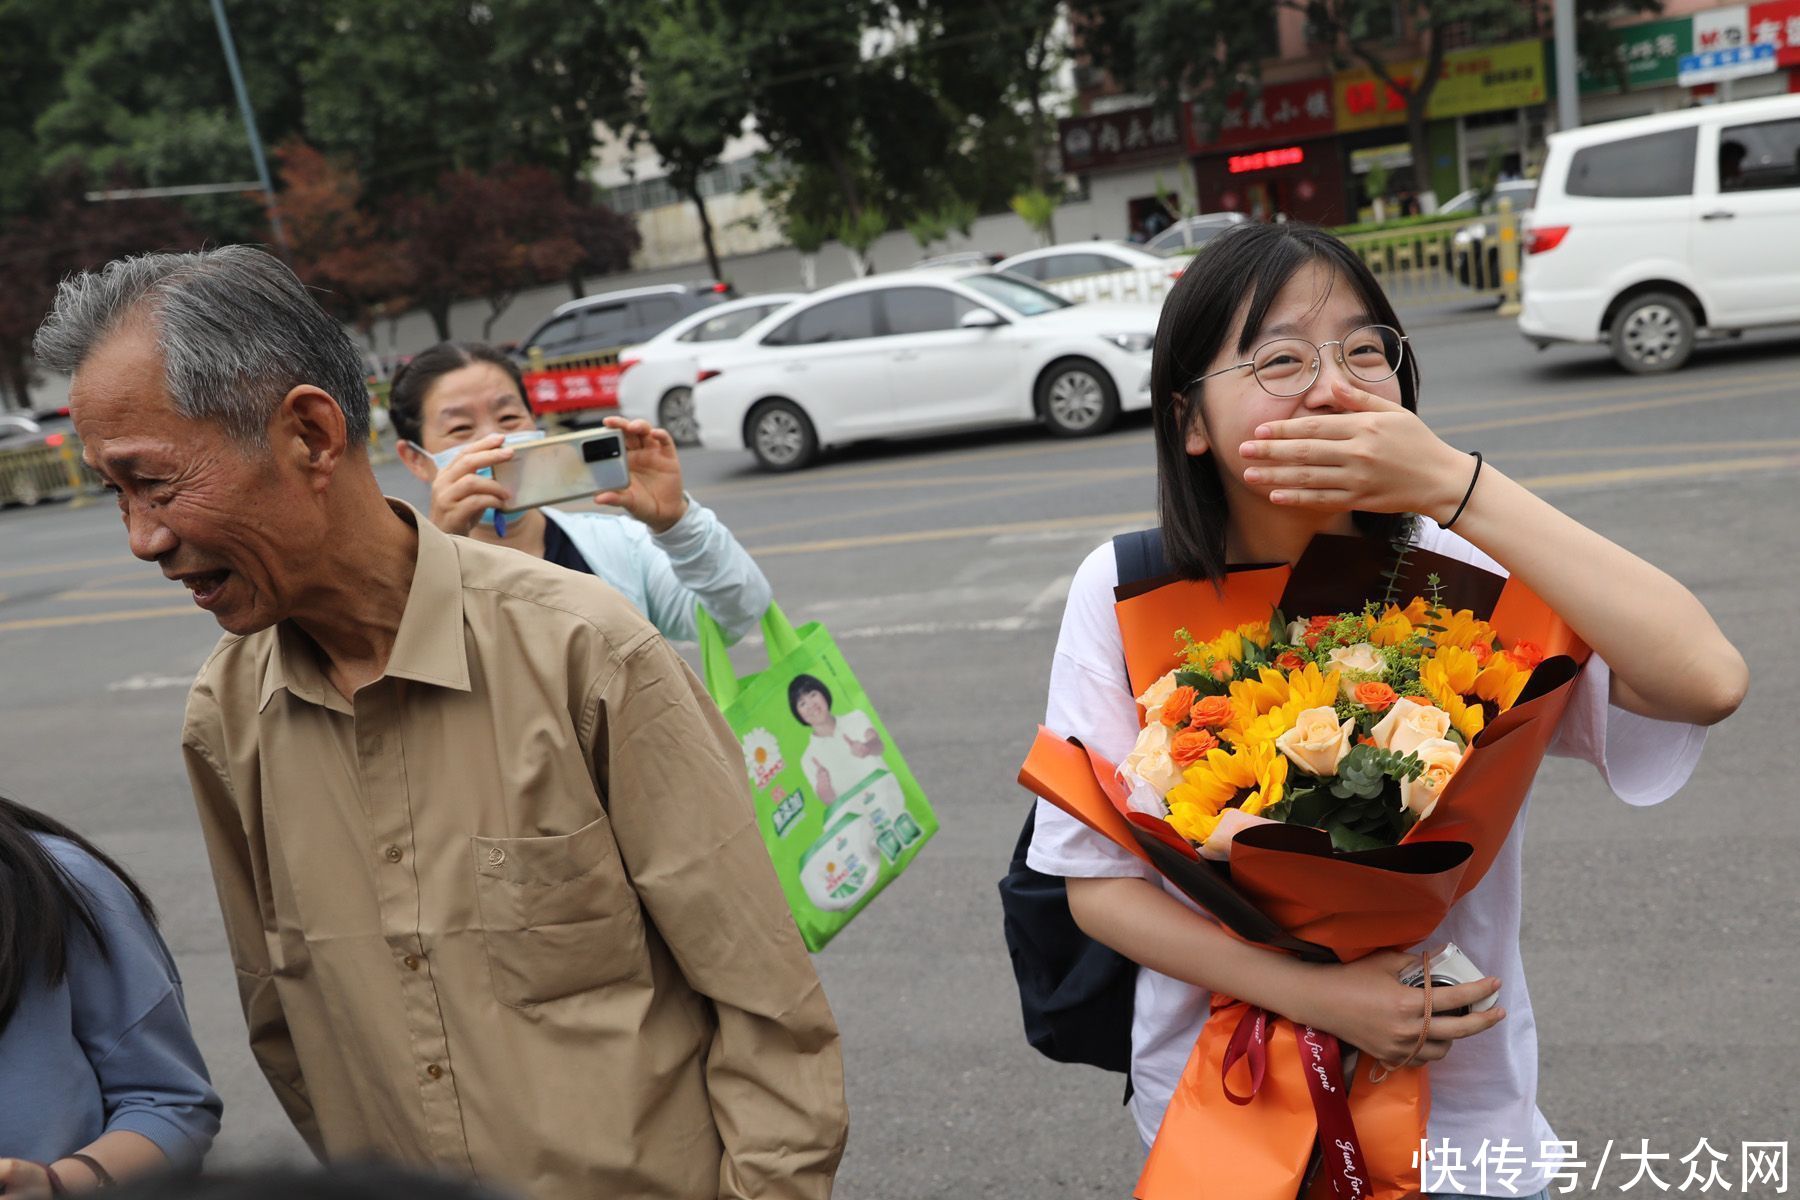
x: 1657, y: 164
x: 1755, y: 157
x: 653, y: 314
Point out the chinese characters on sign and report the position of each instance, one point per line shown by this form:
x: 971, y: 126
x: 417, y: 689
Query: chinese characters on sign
x: 1476, y: 79
x: 1646, y: 55
x: 1263, y: 160
x: 1281, y: 111
x: 1117, y: 138
x: 1506, y: 1169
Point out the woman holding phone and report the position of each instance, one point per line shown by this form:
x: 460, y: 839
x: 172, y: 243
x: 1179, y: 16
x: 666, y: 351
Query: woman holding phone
x: 458, y: 409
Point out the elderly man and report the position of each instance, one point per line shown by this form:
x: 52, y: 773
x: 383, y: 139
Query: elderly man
x: 487, y: 858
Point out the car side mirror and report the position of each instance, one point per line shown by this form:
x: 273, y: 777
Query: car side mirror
x: 981, y: 318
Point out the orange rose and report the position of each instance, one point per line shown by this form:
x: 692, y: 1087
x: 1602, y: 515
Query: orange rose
x: 1288, y: 660
x: 1191, y: 746
x: 1375, y: 696
x: 1214, y: 712
x: 1223, y: 668
x: 1526, y: 654
x: 1421, y: 701
x: 1482, y: 652
x: 1175, y: 708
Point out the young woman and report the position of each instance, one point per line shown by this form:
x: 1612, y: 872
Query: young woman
x: 844, y: 748
x: 1286, y: 395
x: 99, y: 1076
x: 459, y: 405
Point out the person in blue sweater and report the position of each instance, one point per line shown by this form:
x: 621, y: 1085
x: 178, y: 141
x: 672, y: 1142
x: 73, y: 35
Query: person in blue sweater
x: 100, y: 1079
x: 459, y: 406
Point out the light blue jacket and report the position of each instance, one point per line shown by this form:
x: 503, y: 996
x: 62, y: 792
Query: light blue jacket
x: 664, y: 575
x: 108, y: 1048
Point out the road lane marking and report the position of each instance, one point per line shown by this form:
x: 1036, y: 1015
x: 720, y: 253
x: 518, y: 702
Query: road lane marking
x: 120, y: 593
x: 944, y: 535
x: 1624, y: 388
x: 1086, y: 474
x: 1582, y: 479
x: 1603, y: 410
x: 100, y: 618
x: 83, y: 564
x: 913, y: 462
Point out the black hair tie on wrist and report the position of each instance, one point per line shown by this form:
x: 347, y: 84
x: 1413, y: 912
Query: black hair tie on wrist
x: 1467, y: 494
x: 101, y: 1175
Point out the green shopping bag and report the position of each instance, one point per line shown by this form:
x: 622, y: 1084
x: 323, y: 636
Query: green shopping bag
x: 841, y: 813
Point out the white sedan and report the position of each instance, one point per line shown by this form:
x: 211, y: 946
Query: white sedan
x: 656, y: 379
x: 1097, y: 271
x: 922, y: 352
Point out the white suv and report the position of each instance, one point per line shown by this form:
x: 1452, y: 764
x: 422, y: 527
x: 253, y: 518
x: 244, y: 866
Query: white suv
x: 1651, y: 231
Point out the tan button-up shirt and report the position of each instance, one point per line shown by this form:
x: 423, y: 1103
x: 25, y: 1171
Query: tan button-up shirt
x: 507, y: 910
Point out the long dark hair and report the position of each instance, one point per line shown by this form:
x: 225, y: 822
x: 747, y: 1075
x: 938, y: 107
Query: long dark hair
x: 1244, y: 268
x: 413, y: 382
x: 39, y: 900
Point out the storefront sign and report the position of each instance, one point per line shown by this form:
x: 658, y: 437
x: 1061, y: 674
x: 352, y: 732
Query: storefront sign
x: 1717, y: 66
x: 1476, y: 79
x: 1777, y: 25
x: 1721, y: 29
x: 1263, y: 160
x: 1132, y: 135
x: 1282, y: 111
x: 1644, y: 56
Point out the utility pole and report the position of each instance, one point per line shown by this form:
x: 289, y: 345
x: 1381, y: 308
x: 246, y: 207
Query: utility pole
x: 1568, y: 95
x: 256, y: 147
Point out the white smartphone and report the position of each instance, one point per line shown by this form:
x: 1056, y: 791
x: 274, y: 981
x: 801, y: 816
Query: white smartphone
x: 571, y: 465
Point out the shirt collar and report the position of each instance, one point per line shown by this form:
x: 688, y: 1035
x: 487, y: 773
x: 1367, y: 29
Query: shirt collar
x: 429, y: 647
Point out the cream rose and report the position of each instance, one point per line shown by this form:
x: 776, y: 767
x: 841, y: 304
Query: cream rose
x: 1361, y: 660
x: 1441, y: 758
x: 1157, y: 693
x: 1317, y: 743
x: 1297, y: 633
x: 1408, y: 724
x: 1232, y: 822
x: 1149, y: 760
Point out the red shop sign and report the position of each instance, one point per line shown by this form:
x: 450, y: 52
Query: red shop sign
x: 1283, y: 111
x: 1777, y: 24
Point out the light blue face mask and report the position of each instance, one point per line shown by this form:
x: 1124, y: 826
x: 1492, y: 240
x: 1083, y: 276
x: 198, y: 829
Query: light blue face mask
x: 444, y: 458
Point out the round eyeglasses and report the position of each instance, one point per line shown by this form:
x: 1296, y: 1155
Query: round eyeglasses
x: 1288, y: 366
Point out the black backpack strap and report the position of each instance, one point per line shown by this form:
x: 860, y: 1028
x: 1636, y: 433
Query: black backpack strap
x: 1139, y: 556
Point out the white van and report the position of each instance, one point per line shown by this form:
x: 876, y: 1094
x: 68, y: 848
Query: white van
x: 1651, y: 232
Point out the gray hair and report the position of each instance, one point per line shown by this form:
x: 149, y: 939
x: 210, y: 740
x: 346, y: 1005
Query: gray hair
x: 236, y: 328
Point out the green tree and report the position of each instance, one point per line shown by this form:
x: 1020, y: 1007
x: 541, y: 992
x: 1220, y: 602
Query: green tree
x: 689, y: 97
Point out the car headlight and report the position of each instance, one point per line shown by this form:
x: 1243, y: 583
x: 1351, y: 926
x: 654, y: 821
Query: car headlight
x: 1131, y: 343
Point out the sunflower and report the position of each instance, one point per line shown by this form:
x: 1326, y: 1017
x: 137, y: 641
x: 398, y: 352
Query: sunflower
x: 1251, y: 777
x: 1462, y: 630
x: 1440, y: 679
x: 1501, y: 681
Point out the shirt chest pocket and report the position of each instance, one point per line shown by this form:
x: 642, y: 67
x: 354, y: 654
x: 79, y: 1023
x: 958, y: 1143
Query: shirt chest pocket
x: 558, y: 916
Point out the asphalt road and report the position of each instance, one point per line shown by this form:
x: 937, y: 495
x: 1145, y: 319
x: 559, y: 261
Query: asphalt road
x: 1658, y: 941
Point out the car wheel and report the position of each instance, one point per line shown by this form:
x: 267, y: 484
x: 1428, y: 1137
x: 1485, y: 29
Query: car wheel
x: 1653, y: 333
x: 675, y: 413
x: 781, y: 436
x: 1077, y: 398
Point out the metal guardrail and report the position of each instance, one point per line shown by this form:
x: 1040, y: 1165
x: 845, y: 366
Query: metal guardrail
x: 1424, y: 262
x: 35, y: 473
x: 1420, y: 262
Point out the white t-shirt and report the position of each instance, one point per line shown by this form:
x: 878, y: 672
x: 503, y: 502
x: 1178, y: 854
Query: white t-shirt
x: 842, y: 765
x: 1486, y: 1089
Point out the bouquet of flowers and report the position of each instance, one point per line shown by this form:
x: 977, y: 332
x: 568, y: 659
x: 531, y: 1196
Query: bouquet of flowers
x: 1350, y: 722
x: 1327, y: 785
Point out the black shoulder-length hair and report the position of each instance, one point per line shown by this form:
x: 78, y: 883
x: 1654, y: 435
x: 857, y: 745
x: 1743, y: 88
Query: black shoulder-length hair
x: 799, y: 686
x: 1245, y: 268
x: 40, y: 903
x: 413, y: 381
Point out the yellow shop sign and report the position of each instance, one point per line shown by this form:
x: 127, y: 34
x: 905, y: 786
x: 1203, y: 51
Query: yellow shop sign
x: 1473, y: 79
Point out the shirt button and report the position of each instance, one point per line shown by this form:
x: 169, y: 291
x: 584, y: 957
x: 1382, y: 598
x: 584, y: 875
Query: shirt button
x: 496, y: 856
x: 435, y: 1071
x: 392, y: 853
x: 412, y: 963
